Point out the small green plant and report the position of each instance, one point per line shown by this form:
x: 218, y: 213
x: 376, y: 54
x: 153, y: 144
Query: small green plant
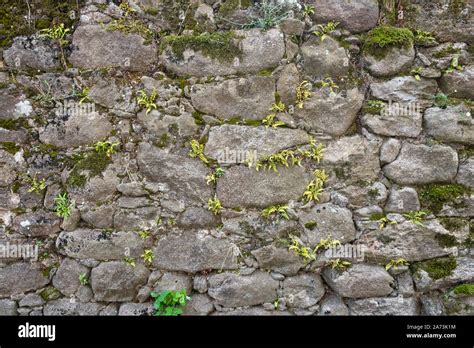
x: 454, y: 65
x: 327, y: 244
x: 148, y: 256
x: 441, y: 100
x: 83, y: 279
x: 214, y: 205
x: 416, y: 217
x: 126, y: 8
x: 170, y: 302
x: 271, y: 121
x: 280, y: 210
x: 83, y: 95
x: 212, y: 178
x: 147, y: 101
x: 338, y: 264
x: 63, y: 205
x: 375, y: 105
x: 423, y: 37
x: 382, y: 219
x: 105, y: 147
x: 464, y: 289
x: 396, y: 263
x: 45, y: 96
x: 269, y: 14
x: 278, y: 107
x: 329, y: 83
x: 144, y: 234
x: 58, y: 34
x: 197, y: 151
x: 36, y: 186
x: 308, y: 10
x: 416, y: 73
x: 302, y: 94
x: 315, y: 187
x: 306, y: 253
x: 325, y: 29
x: 129, y: 261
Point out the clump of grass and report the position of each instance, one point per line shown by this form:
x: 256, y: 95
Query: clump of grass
x: 325, y: 29
x: 197, y: 151
x: 147, y: 101
x: 214, y: 205
x: 280, y: 210
x: 63, y: 205
x: 302, y: 94
x: 315, y: 187
x: 379, y: 40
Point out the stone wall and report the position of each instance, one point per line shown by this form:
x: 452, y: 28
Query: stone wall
x: 252, y: 154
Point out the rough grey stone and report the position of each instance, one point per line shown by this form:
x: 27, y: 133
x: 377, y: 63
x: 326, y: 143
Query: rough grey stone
x: 287, y: 83
x: 174, y: 281
x: 241, y: 142
x: 99, y: 245
x: 194, y: 252
x: 21, y: 277
x: 8, y: 164
x: 116, y: 281
x: 199, y: 304
x: 260, y: 50
x: 331, y: 221
x: 402, y: 200
x: 94, y: 47
x: 32, y: 52
x: 360, y: 281
x: 8, y: 307
x: 466, y: 173
x: 303, y: 291
x: 453, y: 124
x: 247, y: 98
x: 140, y: 218
x: 136, y: 309
x: 333, y: 305
x: 66, y: 278
x: 459, y: 83
x: 396, y: 61
x: 405, y: 90
x: 324, y: 58
x: 402, y: 122
x: 232, y: 290
x: 196, y: 217
x: 422, y: 164
x: 355, y: 16
x: 31, y: 300
x: 277, y: 259
x: 182, y: 175
x: 332, y: 114
x: 37, y: 224
x: 64, y: 306
x: 390, y: 150
x: 384, y: 306
x: 245, y: 187
x: 406, y: 240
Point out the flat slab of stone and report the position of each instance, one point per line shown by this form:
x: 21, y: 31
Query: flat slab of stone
x: 242, y: 98
x: 21, y: 277
x: 384, y: 306
x: 95, y: 48
x: 231, y: 141
x: 453, y: 124
x: 260, y: 50
x: 194, y: 252
x: 245, y: 187
x: 422, y: 164
x: 99, y: 245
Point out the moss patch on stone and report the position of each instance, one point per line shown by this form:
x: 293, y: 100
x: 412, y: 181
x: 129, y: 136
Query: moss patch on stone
x: 222, y: 46
x: 94, y: 164
x: 464, y: 289
x: 310, y: 225
x: 380, y: 40
x: 434, y: 196
x: 446, y: 240
x: 14, y: 124
x: 437, y: 268
x: 10, y: 147
x: 453, y: 224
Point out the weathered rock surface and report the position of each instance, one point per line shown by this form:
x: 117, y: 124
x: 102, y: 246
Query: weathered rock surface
x: 384, y: 306
x: 453, y: 124
x: 360, y: 281
x: 422, y: 164
x: 193, y: 253
x: 232, y: 290
x: 278, y: 259
x: 30, y: 274
x: 405, y: 90
x: 324, y: 58
x: 303, y: 291
x: 116, y: 281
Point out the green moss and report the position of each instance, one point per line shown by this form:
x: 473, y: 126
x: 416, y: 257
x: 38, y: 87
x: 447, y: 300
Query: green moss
x: 219, y: 45
x: 229, y: 6
x: 467, y: 152
x: 377, y: 216
x: 434, y: 196
x: 49, y: 149
x: 94, y: 164
x: 453, y: 224
x: 14, y: 124
x: 310, y: 225
x: 381, y: 39
x: 446, y: 51
x: 198, y: 118
x: 457, y: 6
x: 10, y: 147
x: 464, y: 289
x: 163, y: 141
x: 446, y: 240
x: 16, y: 186
x: 50, y: 293
x: 152, y: 11
x: 265, y: 72
x: 437, y: 268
